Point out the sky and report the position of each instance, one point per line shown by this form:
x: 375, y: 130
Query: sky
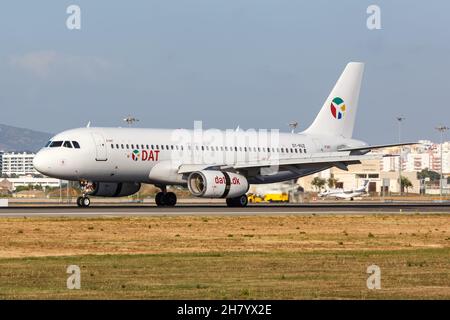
x: 228, y: 63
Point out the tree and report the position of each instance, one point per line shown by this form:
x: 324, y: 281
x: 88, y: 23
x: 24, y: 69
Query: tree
x: 318, y: 183
x: 427, y: 173
x: 406, y: 183
x: 332, y: 181
x: 22, y: 188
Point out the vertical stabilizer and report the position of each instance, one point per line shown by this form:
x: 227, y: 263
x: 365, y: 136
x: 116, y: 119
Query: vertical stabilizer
x: 337, y: 116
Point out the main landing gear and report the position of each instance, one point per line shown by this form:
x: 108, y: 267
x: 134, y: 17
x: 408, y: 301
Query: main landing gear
x: 165, y: 198
x: 240, y: 201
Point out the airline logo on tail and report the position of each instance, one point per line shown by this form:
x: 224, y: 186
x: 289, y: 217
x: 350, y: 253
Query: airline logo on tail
x: 337, y: 108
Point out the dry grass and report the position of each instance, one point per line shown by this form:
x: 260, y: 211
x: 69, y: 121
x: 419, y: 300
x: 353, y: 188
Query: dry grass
x: 227, y: 257
x: 63, y: 237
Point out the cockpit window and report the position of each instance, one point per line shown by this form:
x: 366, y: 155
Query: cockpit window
x: 47, y: 144
x: 76, y: 145
x: 56, y: 144
x: 67, y: 144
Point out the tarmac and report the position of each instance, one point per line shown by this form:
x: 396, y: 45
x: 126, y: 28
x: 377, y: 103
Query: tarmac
x: 99, y: 210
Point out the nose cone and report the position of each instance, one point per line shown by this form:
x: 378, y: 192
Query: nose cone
x: 41, y: 162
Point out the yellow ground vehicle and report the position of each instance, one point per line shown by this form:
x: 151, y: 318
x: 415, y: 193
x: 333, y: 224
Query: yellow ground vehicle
x: 253, y: 198
x: 270, y: 197
x: 276, y: 197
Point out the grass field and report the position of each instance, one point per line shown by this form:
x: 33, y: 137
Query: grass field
x: 251, y: 257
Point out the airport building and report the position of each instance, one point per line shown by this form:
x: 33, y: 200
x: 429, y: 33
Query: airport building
x: 367, y: 170
x: 11, y: 184
x: 385, y: 172
x: 18, y: 163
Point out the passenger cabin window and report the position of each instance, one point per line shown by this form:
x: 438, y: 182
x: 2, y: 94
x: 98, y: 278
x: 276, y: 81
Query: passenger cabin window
x: 67, y: 144
x: 56, y: 144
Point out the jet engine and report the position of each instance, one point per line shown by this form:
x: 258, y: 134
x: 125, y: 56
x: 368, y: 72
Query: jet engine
x: 114, y: 189
x: 217, y: 184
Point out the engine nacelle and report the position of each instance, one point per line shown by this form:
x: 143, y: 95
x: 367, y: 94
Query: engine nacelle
x: 114, y: 189
x: 217, y: 184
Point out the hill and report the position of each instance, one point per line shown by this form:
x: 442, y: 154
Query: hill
x: 20, y: 139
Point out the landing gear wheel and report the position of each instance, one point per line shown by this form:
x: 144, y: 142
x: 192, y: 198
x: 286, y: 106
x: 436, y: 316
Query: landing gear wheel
x: 83, y: 201
x: 79, y: 201
x: 170, y: 199
x: 241, y: 201
x: 86, y: 202
x: 159, y: 199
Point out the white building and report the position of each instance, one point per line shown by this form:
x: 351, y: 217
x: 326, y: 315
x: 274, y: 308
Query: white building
x: 26, y: 181
x: 426, y: 155
x: 18, y: 163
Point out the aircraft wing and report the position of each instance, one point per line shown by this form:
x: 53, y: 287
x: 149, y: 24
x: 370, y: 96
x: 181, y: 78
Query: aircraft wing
x: 337, y: 159
x: 379, y: 146
x: 188, y: 168
x: 332, y: 158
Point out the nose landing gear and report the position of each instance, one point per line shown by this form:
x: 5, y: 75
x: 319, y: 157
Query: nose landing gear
x: 86, y: 187
x: 83, y: 201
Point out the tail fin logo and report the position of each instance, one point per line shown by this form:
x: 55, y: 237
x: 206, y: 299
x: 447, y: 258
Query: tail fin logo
x: 338, y: 108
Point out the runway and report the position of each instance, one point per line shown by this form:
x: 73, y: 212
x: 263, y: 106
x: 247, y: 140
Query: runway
x: 215, y: 209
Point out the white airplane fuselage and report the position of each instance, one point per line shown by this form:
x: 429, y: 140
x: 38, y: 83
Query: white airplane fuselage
x: 152, y: 156
x: 114, y: 162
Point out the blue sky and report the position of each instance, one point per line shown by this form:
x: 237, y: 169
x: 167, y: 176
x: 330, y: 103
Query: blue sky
x: 252, y: 63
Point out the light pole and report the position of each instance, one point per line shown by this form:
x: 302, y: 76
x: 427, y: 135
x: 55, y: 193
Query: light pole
x: 442, y: 130
x: 399, y: 120
x: 293, y: 125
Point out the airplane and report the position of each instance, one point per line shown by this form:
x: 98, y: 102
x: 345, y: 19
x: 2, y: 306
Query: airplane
x: 340, y: 193
x: 114, y: 162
